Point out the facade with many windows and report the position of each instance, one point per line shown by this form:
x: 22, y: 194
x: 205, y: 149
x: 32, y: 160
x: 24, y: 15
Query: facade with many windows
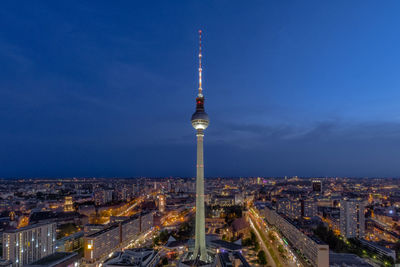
x: 100, y: 244
x: 352, y: 219
x: 28, y: 244
x: 316, y: 252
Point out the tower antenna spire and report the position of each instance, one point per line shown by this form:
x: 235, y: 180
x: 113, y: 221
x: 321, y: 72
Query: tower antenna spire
x: 200, y: 68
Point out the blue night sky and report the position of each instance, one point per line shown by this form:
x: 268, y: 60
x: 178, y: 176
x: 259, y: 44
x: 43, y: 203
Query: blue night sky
x: 107, y: 88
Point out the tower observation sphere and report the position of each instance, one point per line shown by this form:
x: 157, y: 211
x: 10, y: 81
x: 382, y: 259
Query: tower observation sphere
x: 200, y: 118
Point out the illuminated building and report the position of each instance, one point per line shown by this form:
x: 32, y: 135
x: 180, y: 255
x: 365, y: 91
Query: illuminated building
x: 224, y: 201
x: 68, y: 204
x: 102, y: 197
x: 70, y: 243
x: 308, y: 208
x: 99, y: 197
x: 93, y: 228
x: 12, y: 216
x: 314, y: 250
x: 161, y: 203
x: 381, y: 251
x: 316, y: 186
x: 239, y: 199
x: 100, y: 244
x: 290, y: 208
x: 25, y: 245
x: 122, y: 193
x: 352, y: 219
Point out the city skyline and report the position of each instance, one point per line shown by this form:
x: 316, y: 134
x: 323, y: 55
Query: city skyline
x: 103, y: 90
x: 100, y: 167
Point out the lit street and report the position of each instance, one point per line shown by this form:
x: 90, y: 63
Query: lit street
x: 272, y: 241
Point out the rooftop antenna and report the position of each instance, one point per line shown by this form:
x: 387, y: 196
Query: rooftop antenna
x: 200, y: 69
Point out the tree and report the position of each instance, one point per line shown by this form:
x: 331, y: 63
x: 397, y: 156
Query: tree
x: 256, y: 246
x: 262, y: 258
x: 247, y: 242
x: 161, y: 238
x: 164, y: 261
x: 253, y: 237
x: 231, y: 213
x: 271, y: 235
x: 164, y: 236
x: 156, y: 240
x: 336, y: 244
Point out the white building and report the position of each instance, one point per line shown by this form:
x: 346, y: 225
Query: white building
x: 352, y: 220
x: 239, y: 199
x: 315, y: 251
x: 100, y: 244
x: 28, y: 244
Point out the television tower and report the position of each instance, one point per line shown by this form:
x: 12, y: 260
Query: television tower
x: 200, y: 122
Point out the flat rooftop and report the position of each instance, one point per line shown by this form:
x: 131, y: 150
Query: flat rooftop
x: 53, y: 259
x: 346, y: 259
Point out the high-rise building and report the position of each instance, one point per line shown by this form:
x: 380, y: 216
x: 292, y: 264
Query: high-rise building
x: 308, y: 208
x: 291, y: 208
x: 134, y: 189
x: 316, y: 185
x: 98, y: 196
x: 313, y: 249
x: 108, y: 195
x: 68, y: 204
x: 122, y: 193
x: 28, y: 244
x: 352, y: 220
x: 161, y: 203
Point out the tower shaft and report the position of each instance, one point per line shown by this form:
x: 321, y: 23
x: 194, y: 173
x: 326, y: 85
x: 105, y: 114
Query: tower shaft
x: 200, y: 238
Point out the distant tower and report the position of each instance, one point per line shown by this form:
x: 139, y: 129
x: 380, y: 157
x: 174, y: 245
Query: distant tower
x: 68, y: 204
x: 316, y: 185
x: 161, y: 203
x: 200, y: 122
